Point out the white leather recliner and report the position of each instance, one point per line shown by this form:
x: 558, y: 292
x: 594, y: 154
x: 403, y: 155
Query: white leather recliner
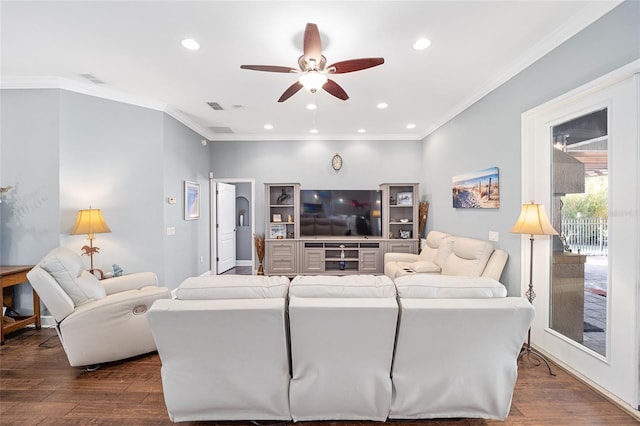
x: 342, y: 336
x: 224, y: 348
x: 446, y: 254
x: 97, y: 321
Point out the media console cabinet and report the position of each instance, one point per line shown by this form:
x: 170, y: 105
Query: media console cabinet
x: 289, y: 253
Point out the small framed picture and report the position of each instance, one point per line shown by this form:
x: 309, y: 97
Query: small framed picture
x: 277, y: 218
x: 277, y: 231
x: 191, y: 200
x: 405, y: 198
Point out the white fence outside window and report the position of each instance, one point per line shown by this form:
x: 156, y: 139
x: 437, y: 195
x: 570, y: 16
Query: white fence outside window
x: 586, y: 236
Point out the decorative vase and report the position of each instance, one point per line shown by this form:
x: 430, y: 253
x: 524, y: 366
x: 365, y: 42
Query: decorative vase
x: 259, y: 242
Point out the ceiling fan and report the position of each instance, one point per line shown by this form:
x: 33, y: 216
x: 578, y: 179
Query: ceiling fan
x: 313, y: 68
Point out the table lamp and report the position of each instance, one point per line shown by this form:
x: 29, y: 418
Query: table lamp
x: 533, y: 220
x: 90, y: 222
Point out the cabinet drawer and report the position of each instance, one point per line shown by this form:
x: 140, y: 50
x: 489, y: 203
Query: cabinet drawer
x: 403, y: 247
x: 282, y: 265
x: 282, y: 249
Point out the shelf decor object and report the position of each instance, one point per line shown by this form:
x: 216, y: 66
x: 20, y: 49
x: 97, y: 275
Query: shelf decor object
x: 533, y: 220
x: 405, y: 198
x: 423, y: 210
x: 259, y: 242
x: 90, y: 222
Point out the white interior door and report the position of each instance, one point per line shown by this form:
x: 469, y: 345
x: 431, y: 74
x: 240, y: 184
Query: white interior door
x: 615, y: 371
x: 225, y: 226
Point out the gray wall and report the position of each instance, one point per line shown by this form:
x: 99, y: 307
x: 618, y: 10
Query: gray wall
x: 107, y: 155
x: 367, y: 164
x: 187, y: 252
x: 488, y: 133
x: 64, y: 151
x: 29, y: 156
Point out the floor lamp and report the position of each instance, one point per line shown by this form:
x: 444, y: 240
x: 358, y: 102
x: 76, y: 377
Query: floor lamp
x: 533, y: 220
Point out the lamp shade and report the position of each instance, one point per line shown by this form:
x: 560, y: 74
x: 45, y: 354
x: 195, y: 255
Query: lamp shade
x: 533, y: 220
x: 90, y: 222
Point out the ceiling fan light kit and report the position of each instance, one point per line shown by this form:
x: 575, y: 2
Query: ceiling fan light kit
x: 313, y: 67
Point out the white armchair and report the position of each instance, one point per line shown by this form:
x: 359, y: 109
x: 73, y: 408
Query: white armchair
x: 97, y: 321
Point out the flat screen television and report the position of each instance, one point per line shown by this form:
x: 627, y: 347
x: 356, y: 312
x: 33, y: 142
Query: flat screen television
x: 340, y: 213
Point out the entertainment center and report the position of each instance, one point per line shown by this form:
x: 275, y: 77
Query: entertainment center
x: 338, y: 232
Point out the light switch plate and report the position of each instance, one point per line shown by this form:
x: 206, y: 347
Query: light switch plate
x: 171, y: 230
x: 493, y: 236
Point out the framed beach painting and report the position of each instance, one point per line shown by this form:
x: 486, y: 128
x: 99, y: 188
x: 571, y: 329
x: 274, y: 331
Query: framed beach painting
x: 191, y: 200
x: 476, y: 190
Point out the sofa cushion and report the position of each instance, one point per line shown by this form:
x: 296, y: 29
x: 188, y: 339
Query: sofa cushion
x: 233, y: 287
x: 427, y: 286
x: 468, y: 257
x: 67, y: 269
x: 367, y: 286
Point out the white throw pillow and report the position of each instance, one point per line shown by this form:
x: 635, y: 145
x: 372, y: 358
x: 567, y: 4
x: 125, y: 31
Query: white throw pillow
x: 67, y: 269
x: 429, y: 286
x: 233, y: 287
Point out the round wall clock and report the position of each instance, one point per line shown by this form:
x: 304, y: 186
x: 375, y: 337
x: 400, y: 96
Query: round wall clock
x: 336, y: 162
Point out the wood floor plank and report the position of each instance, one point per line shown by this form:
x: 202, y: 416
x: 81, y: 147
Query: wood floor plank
x: 38, y: 387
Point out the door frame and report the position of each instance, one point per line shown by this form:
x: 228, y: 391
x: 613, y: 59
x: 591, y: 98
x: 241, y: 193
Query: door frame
x: 536, y: 184
x: 214, y: 211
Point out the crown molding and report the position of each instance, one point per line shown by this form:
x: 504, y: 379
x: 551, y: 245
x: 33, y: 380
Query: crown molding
x: 594, y: 11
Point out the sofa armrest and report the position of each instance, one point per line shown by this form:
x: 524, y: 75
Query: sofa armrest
x: 130, y: 282
x: 400, y: 257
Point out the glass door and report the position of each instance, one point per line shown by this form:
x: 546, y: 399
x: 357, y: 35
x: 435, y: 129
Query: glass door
x: 580, y: 215
x: 580, y: 159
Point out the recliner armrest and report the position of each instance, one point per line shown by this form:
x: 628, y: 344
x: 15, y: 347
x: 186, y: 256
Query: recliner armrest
x: 130, y: 282
x: 400, y: 257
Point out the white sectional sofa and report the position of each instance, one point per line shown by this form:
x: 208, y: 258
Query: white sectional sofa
x: 447, y: 254
x: 339, y: 348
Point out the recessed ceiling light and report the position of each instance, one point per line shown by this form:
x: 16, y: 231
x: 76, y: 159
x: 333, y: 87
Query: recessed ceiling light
x: 313, y: 131
x: 422, y: 43
x: 268, y: 126
x: 191, y: 44
x: 312, y: 106
x: 382, y: 105
x: 361, y: 130
x: 411, y: 126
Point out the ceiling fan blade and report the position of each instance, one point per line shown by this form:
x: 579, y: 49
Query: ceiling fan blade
x: 352, y: 65
x: 312, y: 48
x: 334, y: 88
x: 268, y: 68
x: 292, y: 90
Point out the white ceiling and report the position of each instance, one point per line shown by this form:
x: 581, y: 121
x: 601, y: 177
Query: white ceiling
x: 134, y: 47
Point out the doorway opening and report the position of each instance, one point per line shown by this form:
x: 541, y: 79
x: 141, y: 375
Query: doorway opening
x: 239, y: 215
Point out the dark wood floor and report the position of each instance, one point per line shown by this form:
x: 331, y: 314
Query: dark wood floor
x: 37, y: 387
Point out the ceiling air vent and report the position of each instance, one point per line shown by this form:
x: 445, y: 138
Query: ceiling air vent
x: 215, y: 106
x: 92, y: 78
x: 221, y: 129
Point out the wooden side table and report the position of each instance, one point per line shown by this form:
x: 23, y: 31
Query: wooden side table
x: 9, y: 277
